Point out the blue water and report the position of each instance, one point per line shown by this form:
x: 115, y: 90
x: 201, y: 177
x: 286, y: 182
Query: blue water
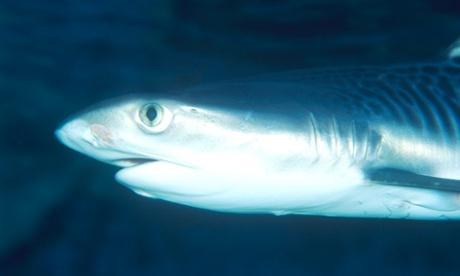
x: 63, y: 214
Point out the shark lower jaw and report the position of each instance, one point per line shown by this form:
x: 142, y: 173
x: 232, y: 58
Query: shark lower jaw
x: 155, y: 178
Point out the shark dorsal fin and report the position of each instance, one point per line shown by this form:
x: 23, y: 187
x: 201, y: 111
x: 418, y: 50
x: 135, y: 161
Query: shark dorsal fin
x: 453, y: 51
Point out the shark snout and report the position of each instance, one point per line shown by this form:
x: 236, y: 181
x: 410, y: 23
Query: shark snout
x: 92, y: 139
x: 73, y: 133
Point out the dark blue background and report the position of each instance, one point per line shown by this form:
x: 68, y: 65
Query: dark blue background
x: 63, y: 214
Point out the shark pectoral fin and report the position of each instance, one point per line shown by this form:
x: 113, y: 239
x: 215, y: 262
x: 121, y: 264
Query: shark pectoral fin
x: 398, y: 177
x: 444, y: 196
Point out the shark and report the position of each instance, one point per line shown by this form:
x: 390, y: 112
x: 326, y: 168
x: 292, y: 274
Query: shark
x: 367, y: 141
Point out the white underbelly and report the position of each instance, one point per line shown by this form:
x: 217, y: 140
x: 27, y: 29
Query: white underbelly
x: 342, y: 191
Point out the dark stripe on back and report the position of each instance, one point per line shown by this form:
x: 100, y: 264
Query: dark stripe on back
x: 441, y: 111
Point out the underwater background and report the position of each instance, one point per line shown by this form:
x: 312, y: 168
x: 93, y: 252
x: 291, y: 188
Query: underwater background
x: 62, y: 213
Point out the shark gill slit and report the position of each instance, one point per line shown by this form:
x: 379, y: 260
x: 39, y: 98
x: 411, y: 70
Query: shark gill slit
x: 314, y: 137
x: 335, y: 142
x: 352, y: 141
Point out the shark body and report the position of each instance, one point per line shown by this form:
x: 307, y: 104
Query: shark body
x: 357, y: 142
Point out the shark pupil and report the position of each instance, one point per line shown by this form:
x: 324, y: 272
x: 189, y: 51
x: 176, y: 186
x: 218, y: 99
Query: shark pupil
x: 151, y: 113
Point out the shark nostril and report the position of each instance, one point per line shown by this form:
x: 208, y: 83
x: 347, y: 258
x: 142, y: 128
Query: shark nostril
x: 101, y: 133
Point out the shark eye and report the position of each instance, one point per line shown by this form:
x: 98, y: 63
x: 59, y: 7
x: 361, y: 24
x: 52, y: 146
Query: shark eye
x: 154, y: 118
x: 150, y: 114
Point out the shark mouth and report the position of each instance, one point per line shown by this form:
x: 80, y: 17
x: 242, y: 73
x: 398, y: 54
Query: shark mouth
x: 132, y: 162
x: 137, y: 161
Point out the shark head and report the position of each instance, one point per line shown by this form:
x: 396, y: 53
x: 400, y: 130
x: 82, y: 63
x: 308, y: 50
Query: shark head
x: 138, y: 129
x: 205, y: 154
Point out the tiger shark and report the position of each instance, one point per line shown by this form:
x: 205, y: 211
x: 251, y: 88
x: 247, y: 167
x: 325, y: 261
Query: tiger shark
x: 381, y: 142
